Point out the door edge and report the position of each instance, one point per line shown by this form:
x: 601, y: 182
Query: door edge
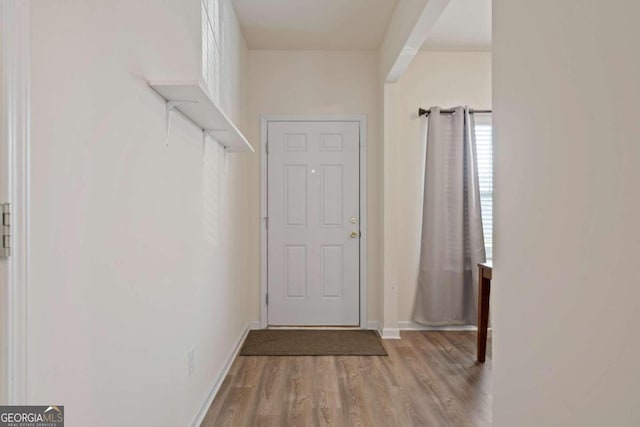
x: 16, y: 111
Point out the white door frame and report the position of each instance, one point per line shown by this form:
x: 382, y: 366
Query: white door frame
x: 361, y: 119
x: 15, y: 109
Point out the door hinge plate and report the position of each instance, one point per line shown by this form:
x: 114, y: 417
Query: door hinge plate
x: 5, y: 250
x: 267, y: 298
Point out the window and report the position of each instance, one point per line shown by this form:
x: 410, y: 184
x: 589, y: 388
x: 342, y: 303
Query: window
x: 211, y: 47
x: 484, y: 148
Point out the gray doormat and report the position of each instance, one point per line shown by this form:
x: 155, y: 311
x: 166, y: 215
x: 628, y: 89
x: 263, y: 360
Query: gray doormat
x: 286, y: 342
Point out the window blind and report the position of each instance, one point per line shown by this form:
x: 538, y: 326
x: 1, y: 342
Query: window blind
x: 484, y: 152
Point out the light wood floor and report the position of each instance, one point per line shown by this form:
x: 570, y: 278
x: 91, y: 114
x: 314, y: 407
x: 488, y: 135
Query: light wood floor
x: 428, y: 379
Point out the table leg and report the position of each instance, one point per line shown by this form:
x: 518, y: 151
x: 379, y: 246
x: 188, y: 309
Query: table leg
x: 484, y: 288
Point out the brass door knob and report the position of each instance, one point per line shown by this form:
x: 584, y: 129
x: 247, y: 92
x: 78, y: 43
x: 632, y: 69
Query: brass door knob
x: 354, y: 234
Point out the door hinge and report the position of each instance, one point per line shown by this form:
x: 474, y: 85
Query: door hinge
x: 266, y: 146
x: 266, y: 222
x: 267, y: 298
x: 6, y: 230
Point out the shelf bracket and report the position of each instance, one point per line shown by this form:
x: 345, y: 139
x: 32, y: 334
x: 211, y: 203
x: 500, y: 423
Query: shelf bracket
x: 171, y: 105
x: 212, y: 133
x: 204, y: 144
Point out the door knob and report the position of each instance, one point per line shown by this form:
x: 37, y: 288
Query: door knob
x: 354, y: 234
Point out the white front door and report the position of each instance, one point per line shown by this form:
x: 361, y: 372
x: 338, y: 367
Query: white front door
x: 313, y: 198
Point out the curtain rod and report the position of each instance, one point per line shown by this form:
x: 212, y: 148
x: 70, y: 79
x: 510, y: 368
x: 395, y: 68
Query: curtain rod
x: 423, y: 112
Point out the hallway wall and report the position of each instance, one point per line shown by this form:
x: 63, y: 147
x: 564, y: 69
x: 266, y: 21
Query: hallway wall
x: 137, y: 240
x: 565, y: 296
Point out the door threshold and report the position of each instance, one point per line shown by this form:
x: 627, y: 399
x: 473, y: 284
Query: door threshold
x: 337, y: 327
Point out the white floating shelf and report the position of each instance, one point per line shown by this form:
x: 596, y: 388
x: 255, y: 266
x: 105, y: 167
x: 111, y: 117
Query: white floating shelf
x: 192, y: 100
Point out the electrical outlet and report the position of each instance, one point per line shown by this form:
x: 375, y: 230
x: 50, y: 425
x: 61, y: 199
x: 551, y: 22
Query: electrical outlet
x: 192, y: 361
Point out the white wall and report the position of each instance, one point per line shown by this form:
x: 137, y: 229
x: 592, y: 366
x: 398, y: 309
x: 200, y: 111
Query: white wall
x: 124, y: 280
x: 566, y: 294
x: 445, y: 79
x: 318, y: 82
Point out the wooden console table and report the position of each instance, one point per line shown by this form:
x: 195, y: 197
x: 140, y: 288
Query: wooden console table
x: 484, y: 289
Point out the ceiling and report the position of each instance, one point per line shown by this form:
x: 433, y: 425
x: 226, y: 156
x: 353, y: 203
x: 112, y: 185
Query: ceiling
x: 355, y: 24
x: 314, y: 24
x: 464, y: 25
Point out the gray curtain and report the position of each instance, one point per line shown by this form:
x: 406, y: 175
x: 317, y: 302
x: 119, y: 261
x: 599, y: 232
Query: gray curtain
x: 452, y: 242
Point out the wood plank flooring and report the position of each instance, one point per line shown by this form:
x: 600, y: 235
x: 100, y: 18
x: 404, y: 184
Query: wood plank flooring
x: 428, y: 379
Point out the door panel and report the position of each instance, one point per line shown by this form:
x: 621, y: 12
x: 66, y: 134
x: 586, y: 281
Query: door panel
x: 295, y: 270
x: 295, y: 193
x: 331, y: 268
x: 331, y: 181
x: 314, y: 228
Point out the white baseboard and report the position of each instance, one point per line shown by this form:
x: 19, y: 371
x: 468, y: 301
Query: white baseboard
x: 375, y: 325
x: 254, y: 324
x: 218, y: 381
x: 390, y: 334
x: 408, y: 325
